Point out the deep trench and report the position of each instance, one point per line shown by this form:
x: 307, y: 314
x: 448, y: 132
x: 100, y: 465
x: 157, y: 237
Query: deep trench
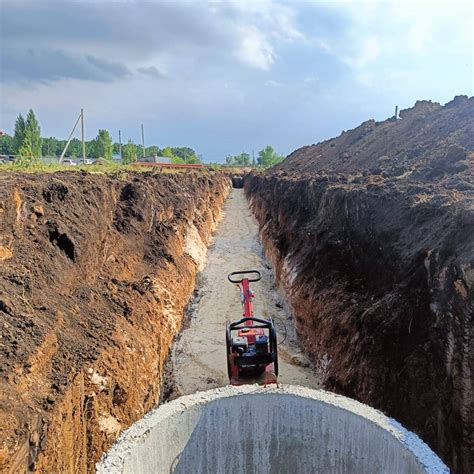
x: 273, y: 434
x: 91, y: 363
x: 197, y: 357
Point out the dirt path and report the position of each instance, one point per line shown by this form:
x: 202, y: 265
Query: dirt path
x: 198, y: 358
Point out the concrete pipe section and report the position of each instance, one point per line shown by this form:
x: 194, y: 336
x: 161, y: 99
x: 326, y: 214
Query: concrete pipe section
x: 237, y: 182
x: 251, y: 429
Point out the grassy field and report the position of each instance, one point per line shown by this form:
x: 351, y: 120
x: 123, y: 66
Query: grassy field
x: 102, y: 168
x: 52, y: 167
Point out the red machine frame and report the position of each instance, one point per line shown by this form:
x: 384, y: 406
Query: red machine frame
x: 250, y: 327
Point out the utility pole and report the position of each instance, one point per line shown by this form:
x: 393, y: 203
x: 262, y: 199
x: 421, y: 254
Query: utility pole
x: 83, y: 142
x: 253, y: 158
x: 143, y: 142
x: 70, y: 137
x: 120, y: 146
x: 396, y: 112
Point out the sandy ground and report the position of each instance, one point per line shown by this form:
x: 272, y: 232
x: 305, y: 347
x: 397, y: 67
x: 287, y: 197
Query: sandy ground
x: 198, y: 361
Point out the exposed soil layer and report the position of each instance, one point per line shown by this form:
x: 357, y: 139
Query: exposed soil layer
x: 371, y: 238
x: 95, y: 272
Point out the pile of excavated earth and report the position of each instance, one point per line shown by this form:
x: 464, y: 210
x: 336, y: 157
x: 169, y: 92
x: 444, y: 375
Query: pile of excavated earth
x: 368, y: 239
x: 371, y: 237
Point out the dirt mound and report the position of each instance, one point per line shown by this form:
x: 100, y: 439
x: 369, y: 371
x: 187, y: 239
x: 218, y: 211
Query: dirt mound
x: 95, y: 273
x: 371, y: 237
x: 428, y: 142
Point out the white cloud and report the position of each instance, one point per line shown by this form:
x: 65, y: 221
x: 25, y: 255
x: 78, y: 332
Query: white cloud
x: 262, y: 26
x: 419, y: 36
x: 363, y: 52
x: 379, y: 38
x: 276, y: 20
x: 272, y: 83
x: 254, y: 48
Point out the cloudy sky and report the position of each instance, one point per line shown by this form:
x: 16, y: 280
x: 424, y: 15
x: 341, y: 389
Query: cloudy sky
x: 229, y: 76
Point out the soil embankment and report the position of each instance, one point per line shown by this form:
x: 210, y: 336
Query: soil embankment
x: 370, y: 235
x: 95, y: 273
x: 197, y: 360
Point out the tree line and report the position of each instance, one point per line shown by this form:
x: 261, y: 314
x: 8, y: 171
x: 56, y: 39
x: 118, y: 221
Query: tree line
x: 266, y: 157
x: 27, y: 144
x: 131, y: 152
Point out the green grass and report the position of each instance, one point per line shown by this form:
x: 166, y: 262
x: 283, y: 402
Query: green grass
x: 53, y: 167
x: 103, y: 168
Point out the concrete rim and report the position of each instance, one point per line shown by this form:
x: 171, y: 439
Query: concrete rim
x: 113, y: 460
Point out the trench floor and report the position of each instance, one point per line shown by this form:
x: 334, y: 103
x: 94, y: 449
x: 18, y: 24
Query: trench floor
x: 197, y: 361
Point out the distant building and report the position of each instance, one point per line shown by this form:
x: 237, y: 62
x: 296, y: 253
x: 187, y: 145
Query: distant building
x: 154, y: 159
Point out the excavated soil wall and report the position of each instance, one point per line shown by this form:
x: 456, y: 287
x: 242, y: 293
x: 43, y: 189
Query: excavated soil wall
x: 95, y: 273
x: 380, y: 280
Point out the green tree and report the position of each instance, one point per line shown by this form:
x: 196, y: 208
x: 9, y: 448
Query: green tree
x: 19, y: 134
x: 268, y: 157
x: 27, y: 157
x: 139, y: 149
x: 188, y: 155
x: 152, y: 150
x: 33, y: 134
x: 101, y: 146
x: 60, y: 147
x: 168, y: 152
x: 238, y: 160
x: 193, y: 160
x: 243, y: 159
x: 177, y: 160
x: 51, y: 147
x: 74, y: 149
x: 129, y: 152
x: 6, y: 145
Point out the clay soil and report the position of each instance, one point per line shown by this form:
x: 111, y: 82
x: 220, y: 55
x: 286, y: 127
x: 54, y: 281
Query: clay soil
x: 371, y: 237
x: 95, y: 273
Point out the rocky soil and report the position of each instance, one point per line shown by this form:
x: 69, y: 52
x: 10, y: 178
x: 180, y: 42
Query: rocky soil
x: 95, y: 273
x: 371, y: 236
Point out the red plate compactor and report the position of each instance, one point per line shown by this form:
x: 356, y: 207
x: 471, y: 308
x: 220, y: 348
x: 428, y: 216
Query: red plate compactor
x: 252, y: 355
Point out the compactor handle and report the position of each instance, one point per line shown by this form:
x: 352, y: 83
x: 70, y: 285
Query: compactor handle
x: 244, y: 272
